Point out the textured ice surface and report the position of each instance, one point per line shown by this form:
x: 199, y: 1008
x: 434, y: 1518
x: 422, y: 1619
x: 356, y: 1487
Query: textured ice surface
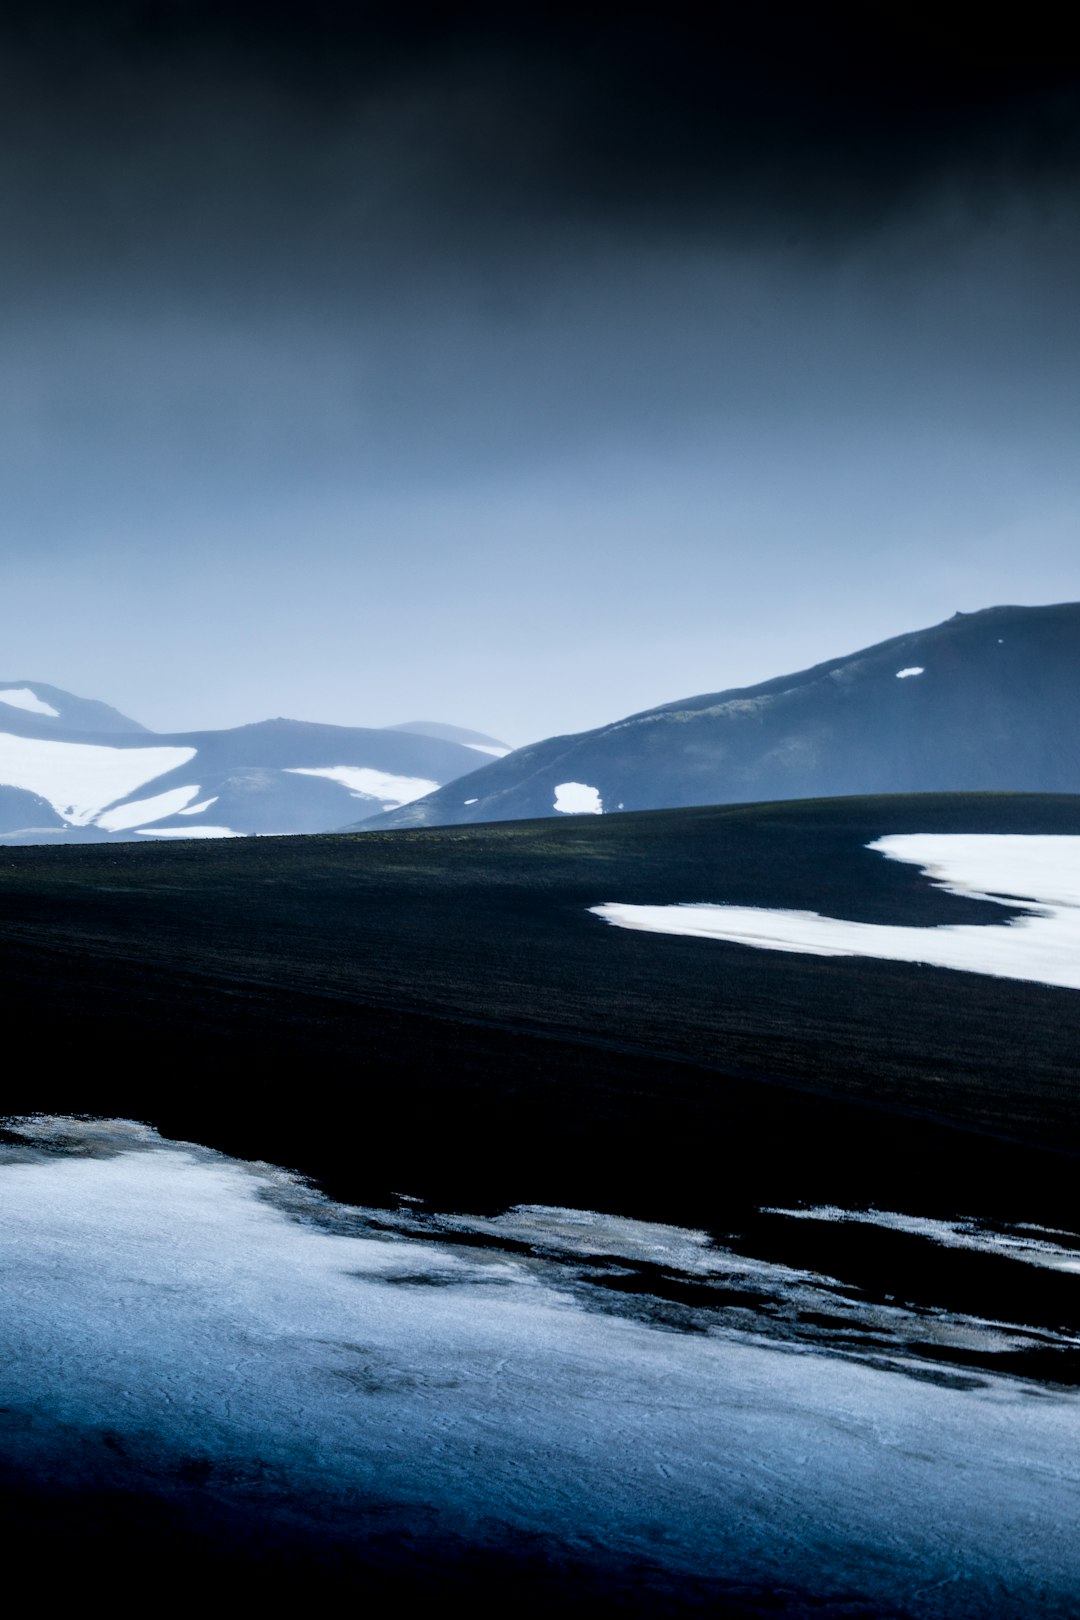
x: 912, y: 669
x: 364, y: 783
x: 202, y: 1312
x: 21, y: 697
x: 80, y: 779
x: 577, y: 799
x: 1040, y: 875
x: 136, y: 811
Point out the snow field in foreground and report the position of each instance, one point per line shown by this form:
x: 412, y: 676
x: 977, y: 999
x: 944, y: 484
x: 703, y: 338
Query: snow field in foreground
x: 177, y: 1300
x: 1039, y: 874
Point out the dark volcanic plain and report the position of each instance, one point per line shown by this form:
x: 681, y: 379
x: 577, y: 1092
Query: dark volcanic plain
x: 437, y: 1013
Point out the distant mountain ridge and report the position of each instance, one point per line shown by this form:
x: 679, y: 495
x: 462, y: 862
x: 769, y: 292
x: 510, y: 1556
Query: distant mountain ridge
x: 986, y: 701
x: 75, y: 770
x: 37, y: 709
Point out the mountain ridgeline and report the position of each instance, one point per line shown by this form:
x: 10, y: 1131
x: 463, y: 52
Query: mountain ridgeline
x: 76, y: 771
x: 986, y: 702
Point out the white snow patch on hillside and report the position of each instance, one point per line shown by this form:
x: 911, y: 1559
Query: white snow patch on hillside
x: 577, y: 799
x: 21, y: 697
x: 913, y: 669
x: 485, y: 748
x: 169, y: 803
x: 165, y: 1299
x: 189, y: 832
x: 365, y: 783
x: 472, y: 801
x: 197, y: 809
x: 80, y: 779
x: 1040, y: 874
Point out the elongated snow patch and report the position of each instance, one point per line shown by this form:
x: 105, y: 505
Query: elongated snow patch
x: 912, y: 669
x: 365, y: 783
x: 169, y: 803
x: 197, y: 809
x: 1039, y: 875
x: 578, y: 799
x: 80, y: 779
x: 196, y: 831
x: 21, y: 697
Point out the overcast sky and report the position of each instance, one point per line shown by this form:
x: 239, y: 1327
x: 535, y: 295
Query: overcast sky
x: 522, y: 366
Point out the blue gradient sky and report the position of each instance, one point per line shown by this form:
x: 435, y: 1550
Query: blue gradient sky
x: 428, y: 388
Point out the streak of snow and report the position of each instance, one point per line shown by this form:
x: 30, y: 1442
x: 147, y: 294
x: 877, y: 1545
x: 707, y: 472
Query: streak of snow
x: 80, y: 779
x: 197, y: 809
x: 365, y: 783
x: 1015, y: 1244
x: 189, y: 832
x: 21, y: 697
x: 136, y: 811
x: 472, y: 801
x: 577, y: 799
x: 913, y: 669
x: 1037, y: 874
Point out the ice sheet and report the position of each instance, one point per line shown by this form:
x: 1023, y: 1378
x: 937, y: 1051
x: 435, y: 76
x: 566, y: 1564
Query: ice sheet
x: 194, y: 1308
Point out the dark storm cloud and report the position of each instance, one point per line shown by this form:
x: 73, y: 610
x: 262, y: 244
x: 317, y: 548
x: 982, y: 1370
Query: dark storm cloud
x: 626, y: 332
x: 212, y: 149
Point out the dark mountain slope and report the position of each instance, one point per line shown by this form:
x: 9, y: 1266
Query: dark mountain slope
x: 986, y: 701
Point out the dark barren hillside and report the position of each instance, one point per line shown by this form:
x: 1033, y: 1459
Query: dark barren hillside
x: 440, y: 1014
x: 985, y: 702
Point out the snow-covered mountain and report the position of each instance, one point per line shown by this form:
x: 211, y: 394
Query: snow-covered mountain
x: 72, y: 770
x: 987, y: 701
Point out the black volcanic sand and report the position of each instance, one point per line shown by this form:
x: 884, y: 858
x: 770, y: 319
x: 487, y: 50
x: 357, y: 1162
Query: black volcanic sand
x: 437, y: 1013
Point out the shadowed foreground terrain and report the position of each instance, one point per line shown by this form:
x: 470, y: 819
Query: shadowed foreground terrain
x: 400, y: 1382
x: 438, y: 1013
